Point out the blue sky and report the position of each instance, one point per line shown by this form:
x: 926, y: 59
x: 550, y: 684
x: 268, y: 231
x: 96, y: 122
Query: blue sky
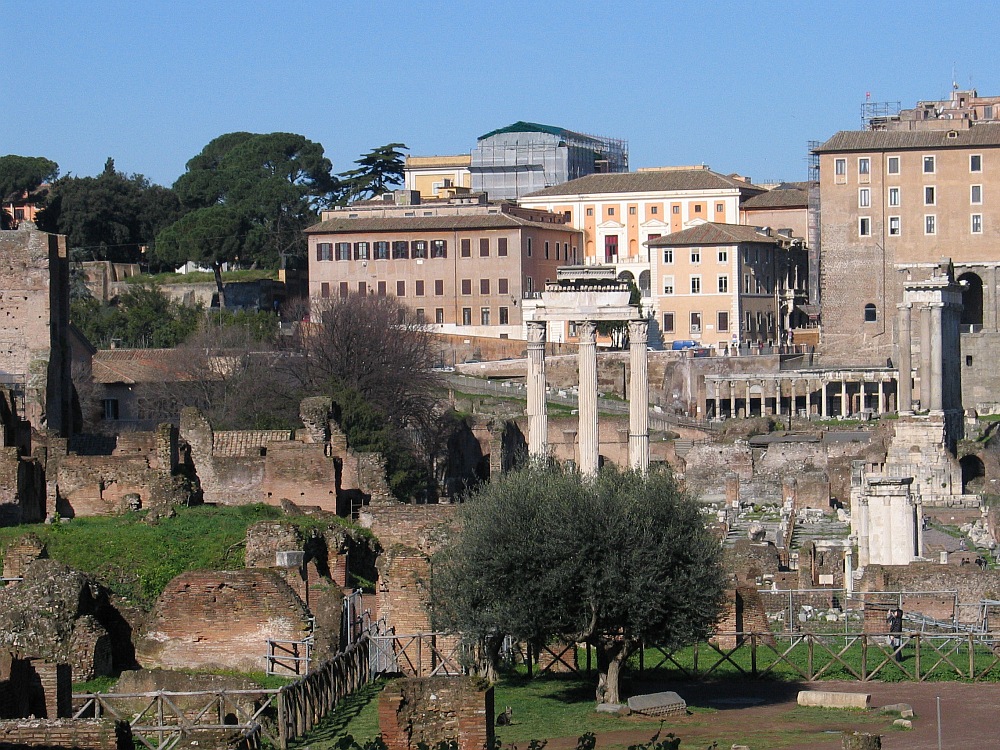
x: 741, y: 86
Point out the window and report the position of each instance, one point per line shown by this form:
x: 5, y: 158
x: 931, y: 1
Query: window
x: 546, y: 249
x: 696, y: 255
x: 484, y: 286
x: 400, y: 288
x: 840, y: 167
x: 382, y: 250
x: 864, y: 198
x: 668, y: 322
x: 930, y: 224
x: 466, y: 286
x: 362, y: 288
x: 502, y: 246
x: 324, y: 251
x: 668, y: 284
x: 864, y: 226
x: 466, y: 316
x: 976, y: 194
x: 892, y: 165
x: 529, y: 247
x: 439, y: 248
x: 894, y: 196
x: 503, y: 287
x: 668, y: 255
x: 695, y: 326
x: 894, y: 226
x: 864, y: 165
x: 439, y: 315
x: 466, y: 248
x: 418, y: 289
x: 723, y: 285
x: 419, y: 249
x: 400, y: 250
x: 324, y: 290
x: 420, y: 315
x: 871, y: 314
x: 930, y: 195
x: 977, y: 223
x: 111, y: 408
x: 654, y: 210
x: 697, y: 208
x: 720, y: 208
x: 723, y: 256
x: 381, y: 289
x: 722, y: 321
x: 590, y: 212
x: 361, y: 251
x: 631, y: 210
x: 484, y: 316
x: 343, y: 289
x: 975, y: 163
x: 611, y: 211
x: 343, y: 251
x: 696, y: 285
x: 746, y: 283
x: 675, y: 209
x: 504, y: 316
x: 484, y: 247
x: 929, y: 164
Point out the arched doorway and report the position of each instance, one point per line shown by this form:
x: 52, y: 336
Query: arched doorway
x: 626, y: 276
x: 972, y: 299
x: 644, y: 286
x: 973, y: 474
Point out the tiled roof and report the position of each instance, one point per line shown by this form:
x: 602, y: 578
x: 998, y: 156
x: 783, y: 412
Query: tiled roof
x: 141, y: 366
x: 239, y: 443
x: 646, y: 182
x: 778, y: 198
x: 885, y: 140
x: 711, y: 233
x: 431, y: 223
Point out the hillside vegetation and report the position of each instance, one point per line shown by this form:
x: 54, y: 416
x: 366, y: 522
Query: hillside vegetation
x: 136, y: 559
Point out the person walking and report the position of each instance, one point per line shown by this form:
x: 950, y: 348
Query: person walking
x: 894, y: 619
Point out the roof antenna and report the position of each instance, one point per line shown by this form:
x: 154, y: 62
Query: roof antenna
x: 954, y: 83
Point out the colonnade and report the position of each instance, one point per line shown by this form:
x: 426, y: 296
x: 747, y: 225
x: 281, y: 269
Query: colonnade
x: 836, y: 393
x: 589, y: 440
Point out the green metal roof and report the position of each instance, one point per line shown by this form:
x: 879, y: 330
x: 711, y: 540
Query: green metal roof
x: 533, y: 127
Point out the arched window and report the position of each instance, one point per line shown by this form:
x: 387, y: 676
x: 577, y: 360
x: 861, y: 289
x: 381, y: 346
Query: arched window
x: 972, y: 299
x: 871, y: 315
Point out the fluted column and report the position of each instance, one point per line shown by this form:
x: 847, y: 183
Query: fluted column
x: 925, y: 358
x: 638, y: 396
x: 538, y: 418
x: 589, y: 446
x: 904, y: 355
x: 937, y: 361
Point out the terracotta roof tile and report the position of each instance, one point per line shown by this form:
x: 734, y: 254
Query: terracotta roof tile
x: 141, y: 366
x: 711, y: 233
x: 883, y: 140
x: 431, y: 223
x: 647, y: 182
x: 778, y: 198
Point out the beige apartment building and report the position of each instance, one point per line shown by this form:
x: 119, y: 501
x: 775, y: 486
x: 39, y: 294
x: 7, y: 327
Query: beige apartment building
x: 463, y: 265
x: 894, y: 204
x: 726, y: 285
x: 786, y: 206
x: 438, y: 176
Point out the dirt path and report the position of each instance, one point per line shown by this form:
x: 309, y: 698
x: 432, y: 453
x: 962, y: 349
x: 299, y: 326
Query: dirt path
x: 763, y: 715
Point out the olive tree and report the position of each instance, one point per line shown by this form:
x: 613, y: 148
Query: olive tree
x: 613, y: 560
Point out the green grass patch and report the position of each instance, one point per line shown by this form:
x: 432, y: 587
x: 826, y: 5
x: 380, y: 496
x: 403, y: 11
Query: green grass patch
x: 136, y: 560
x: 356, y: 715
x: 201, y: 277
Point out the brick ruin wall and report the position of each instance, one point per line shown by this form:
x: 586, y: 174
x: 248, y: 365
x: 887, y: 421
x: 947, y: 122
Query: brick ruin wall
x: 34, y: 687
x: 422, y: 527
x: 80, y: 734
x: 743, y: 613
x: 436, y: 709
x: 22, y: 489
x: 221, y: 620
x: 971, y: 584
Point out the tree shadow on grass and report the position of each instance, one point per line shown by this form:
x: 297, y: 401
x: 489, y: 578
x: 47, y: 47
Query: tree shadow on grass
x: 334, y: 724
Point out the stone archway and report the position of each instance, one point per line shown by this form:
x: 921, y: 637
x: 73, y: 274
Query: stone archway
x: 973, y: 474
x: 972, y: 299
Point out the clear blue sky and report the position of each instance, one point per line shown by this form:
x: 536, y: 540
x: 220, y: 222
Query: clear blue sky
x: 741, y: 86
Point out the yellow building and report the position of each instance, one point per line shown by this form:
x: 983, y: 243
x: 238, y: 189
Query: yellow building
x: 438, y: 176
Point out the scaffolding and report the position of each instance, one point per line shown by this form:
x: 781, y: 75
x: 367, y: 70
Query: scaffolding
x: 876, y: 115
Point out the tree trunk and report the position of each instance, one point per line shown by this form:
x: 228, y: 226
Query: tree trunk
x: 612, y: 653
x: 217, y: 269
x: 489, y: 656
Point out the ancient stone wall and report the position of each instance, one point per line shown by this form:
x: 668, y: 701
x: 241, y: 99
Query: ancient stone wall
x: 221, y: 620
x: 404, y: 586
x: 81, y: 734
x: 435, y: 709
x: 971, y: 584
x: 744, y: 613
x: 22, y: 489
x: 422, y: 527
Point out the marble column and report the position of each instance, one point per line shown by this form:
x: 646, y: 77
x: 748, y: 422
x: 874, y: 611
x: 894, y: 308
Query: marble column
x: 589, y: 444
x: 732, y: 399
x: 638, y: 396
x: 748, y: 412
x: 538, y: 419
x: 937, y: 361
x: 845, y: 406
x: 904, y: 354
x: 809, y: 406
x: 824, y: 407
x: 925, y: 358
x: 880, y: 405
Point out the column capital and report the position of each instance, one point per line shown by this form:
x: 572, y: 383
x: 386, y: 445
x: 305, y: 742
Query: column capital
x: 638, y: 331
x: 586, y: 331
x: 536, y: 331
x: 904, y: 305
